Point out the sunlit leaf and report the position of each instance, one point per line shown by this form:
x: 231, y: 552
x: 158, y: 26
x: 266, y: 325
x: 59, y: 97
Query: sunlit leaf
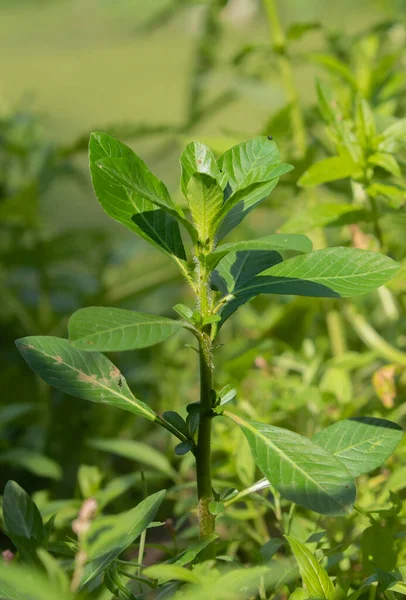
x: 329, y: 169
x: 315, y: 578
x: 205, y: 198
x: 362, y: 443
x: 197, y: 158
x: 117, y: 329
x: 90, y: 376
x: 301, y: 471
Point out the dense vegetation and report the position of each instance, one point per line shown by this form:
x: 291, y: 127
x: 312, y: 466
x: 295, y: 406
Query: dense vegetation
x: 250, y: 454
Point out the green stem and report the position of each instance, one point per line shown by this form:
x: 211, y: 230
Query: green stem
x: 203, y: 450
x: 372, y: 338
x: 288, y: 80
x: 336, y: 332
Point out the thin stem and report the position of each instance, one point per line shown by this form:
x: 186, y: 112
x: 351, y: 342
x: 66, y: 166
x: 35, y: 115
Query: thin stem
x: 336, y: 332
x: 203, y: 450
x: 288, y: 80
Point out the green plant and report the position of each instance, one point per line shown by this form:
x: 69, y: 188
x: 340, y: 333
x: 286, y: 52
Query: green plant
x: 318, y: 473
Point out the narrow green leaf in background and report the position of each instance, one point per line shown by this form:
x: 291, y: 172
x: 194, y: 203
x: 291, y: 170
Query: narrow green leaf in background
x: 117, y: 329
x: 362, y: 443
x: 315, y: 578
x: 123, y: 530
x: 301, y: 471
x: 136, y: 451
x: 90, y: 376
x: 329, y: 169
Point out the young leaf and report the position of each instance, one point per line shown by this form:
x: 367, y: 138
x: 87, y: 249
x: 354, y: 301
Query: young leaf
x: 385, y: 161
x: 362, y: 443
x: 251, y: 169
x: 90, y: 376
x: 117, y: 329
x: 301, y: 471
x: 237, y: 268
x: 365, y: 122
x: 134, y: 206
x: 112, y: 541
x: 297, y: 243
x: 334, y: 66
x: 329, y: 169
x: 205, y: 197
x: 136, y: 451
x: 315, y: 578
x: 197, y: 158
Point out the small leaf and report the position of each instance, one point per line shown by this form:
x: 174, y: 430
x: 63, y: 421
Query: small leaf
x: 216, y: 508
x: 205, y: 198
x: 197, y: 158
x: 184, y: 447
x: 315, y: 578
x: 171, y: 573
x: 385, y: 161
x: 395, y: 195
x: 362, y: 443
x: 297, y: 243
x: 365, y: 122
x: 90, y: 376
x: 301, y: 471
x: 116, y: 329
x: 112, y: 541
x: 393, y: 133
x: 297, y: 30
x: 137, y: 451
x: 183, y: 311
x: 334, y: 66
x: 176, y: 421
x: 329, y: 169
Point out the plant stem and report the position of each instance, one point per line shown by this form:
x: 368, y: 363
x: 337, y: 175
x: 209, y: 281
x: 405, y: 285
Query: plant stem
x: 336, y: 332
x: 203, y: 450
x: 288, y: 80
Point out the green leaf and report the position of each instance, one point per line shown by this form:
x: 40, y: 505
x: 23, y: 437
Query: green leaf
x: 117, y: 329
x: 137, y: 451
x: 133, y: 202
x: 393, y: 133
x: 385, y: 161
x: 35, y: 462
x: 333, y: 272
x: 297, y: 30
x: 362, y: 443
x: 365, y: 122
x: 378, y: 549
x: 112, y: 541
x: 297, y: 243
x: 21, y: 583
x: 250, y: 171
x: 205, y: 198
x: 334, y: 66
x: 90, y: 376
x: 322, y: 215
x: 301, y: 471
x: 315, y: 578
x: 395, y: 195
x: 197, y: 158
x: 21, y: 515
x: 238, y: 268
x: 325, y: 102
x: 166, y: 573
x: 115, y: 488
x: 329, y: 169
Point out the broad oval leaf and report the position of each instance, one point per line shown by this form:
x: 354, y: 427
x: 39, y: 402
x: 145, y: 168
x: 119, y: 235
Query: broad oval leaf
x: 277, y: 241
x: 90, y: 376
x: 329, y: 169
x: 314, y: 576
x: 142, y: 206
x: 205, y: 198
x: 333, y: 272
x: 112, y: 540
x: 117, y: 329
x: 137, y: 451
x: 301, y: 471
x: 197, y: 158
x: 362, y: 443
